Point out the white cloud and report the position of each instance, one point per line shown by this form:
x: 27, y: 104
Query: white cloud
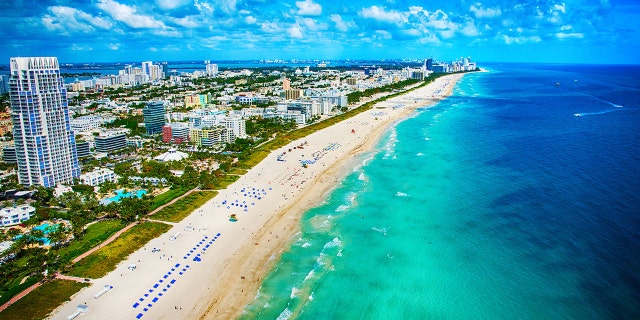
x: 205, y: 8
x: 308, y: 8
x: 573, y: 35
x: 481, y: 12
x: 114, y: 46
x: 381, y: 14
x: 430, y: 39
x: 167, y: 32
x: 77, y: 47
x: 566, y: 27
x: 227, y: 6
x: 153, y: 49
x: 128, y: 15
x: 556, y: 13
x: 171, y: 4
x: 470, y: 29
x: 67, y: 19
x: 383, y: 34
x: 340, y: 24
x: 270, y: 27
x: 295, y: 31
x: 187, y: 22
x: 559, y: 7
x: 313, y: 25
x: 250, y: 20
x: 412, y: 32
x: 520, y: 39
x: 447, y: 33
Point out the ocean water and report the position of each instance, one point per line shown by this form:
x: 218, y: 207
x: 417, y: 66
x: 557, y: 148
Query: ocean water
x: 498, y: 203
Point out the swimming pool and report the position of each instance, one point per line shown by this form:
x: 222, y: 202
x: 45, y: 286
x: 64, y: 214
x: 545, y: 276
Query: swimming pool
x: 121, y: 194
x: 46, y: 228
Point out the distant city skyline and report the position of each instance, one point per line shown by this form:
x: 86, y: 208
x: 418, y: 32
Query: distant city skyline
x: 176, y: 30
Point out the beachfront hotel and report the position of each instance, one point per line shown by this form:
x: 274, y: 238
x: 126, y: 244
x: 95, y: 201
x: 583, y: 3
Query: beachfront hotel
x: 44, y: 142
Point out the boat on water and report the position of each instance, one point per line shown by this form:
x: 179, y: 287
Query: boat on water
x: 578, y: 114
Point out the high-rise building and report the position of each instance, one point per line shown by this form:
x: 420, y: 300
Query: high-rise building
x: 146, y: 67
x: 211, y: 69
x: 154, y: 117
x: 4, y: 83
x: 45, y: 144
x: 430, y: 64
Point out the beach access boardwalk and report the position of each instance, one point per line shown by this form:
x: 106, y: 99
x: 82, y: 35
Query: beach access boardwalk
x: 92, y: 250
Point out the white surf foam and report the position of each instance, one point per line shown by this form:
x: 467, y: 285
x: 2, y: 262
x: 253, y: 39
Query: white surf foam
x: 382, y: 230
x: 294, y: 292
x: 309, y: 275
x: 285, y: 314
x: 332, y: 244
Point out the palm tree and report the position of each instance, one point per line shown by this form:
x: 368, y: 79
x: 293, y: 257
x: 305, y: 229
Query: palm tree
x: 57, y: 236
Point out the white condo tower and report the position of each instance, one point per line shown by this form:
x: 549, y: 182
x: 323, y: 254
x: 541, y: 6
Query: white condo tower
x: 44, y: 142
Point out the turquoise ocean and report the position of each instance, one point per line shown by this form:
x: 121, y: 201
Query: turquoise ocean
x: 518, y: 197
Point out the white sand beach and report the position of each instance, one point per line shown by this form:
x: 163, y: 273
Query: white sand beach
x: 208, y: 267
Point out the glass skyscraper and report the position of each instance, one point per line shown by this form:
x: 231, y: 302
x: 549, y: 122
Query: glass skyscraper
x: 154, y: 117
x: 45, y: 144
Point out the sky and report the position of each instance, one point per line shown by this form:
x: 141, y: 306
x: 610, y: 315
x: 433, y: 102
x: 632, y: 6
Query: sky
x: 570, y: 31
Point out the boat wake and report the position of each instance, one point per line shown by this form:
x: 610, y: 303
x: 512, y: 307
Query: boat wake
x: 583, y: 114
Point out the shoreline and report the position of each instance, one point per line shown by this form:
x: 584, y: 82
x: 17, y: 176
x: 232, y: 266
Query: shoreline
x: 269, y: 201
x: 310, y: 197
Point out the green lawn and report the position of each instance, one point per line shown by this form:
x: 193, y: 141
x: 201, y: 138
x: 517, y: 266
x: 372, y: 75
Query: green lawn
x: 41, y: 301
x: 166, y: 197
x: 15, y: 287
x: 94, y: 235
x: 183, y: 207
x: 105, y: 259
x: 226, y: 180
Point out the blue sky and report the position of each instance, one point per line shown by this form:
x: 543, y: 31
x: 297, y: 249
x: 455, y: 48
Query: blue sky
x: 588, y: 31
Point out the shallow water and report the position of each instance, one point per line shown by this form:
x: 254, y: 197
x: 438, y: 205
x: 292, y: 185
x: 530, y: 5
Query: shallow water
x: 498, y: 203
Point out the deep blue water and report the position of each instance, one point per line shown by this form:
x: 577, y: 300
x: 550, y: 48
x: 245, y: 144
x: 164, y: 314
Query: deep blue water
x: 498, y: 203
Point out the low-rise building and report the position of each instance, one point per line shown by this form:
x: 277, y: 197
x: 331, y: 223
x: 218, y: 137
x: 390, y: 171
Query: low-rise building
x: 98, y: 176
x: 176, y: 132
x: 299, y: 118
x: 208, y: 137
x: 61, y: 189
x: 15, y: 215
x: 9, y: 154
